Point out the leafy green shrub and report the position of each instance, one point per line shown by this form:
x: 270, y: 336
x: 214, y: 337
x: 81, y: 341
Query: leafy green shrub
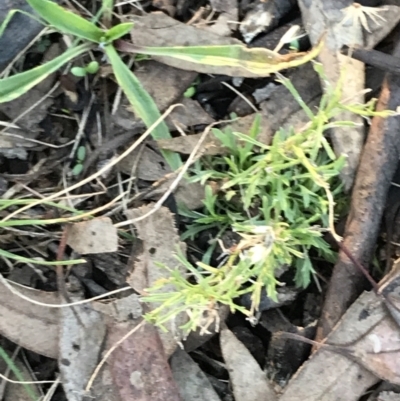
x: 277, y: 197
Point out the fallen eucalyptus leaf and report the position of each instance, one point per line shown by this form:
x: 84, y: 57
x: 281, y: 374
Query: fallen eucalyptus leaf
x: 160, y: 241
x: 93, y: 236
x: 248, y: 380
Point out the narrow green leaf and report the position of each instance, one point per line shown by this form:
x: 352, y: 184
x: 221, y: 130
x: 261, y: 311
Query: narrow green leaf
x: 142, y: 103
x: 17, y: 85
x: 107, y: 5
x: 22, y: 259
x: 118, y: 31
x: 66, y: 21
x: 29, y: 388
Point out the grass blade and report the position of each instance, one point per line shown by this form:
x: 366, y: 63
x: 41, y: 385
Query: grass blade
x: 18, y: 84
x: 142, y: 103
x: 106, y: 11
x: 66, y: 21
x: 29, y: 388
x: 232, y: 60
x: 23, y: 259
x: 118, y: 31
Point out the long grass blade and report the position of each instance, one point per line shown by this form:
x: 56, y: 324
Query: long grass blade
x: 142, y: 103
x: 18, y: 84
x: 66, y: 21
x: 23, y: 259
x: 232, y: 60
x: 29, y: 388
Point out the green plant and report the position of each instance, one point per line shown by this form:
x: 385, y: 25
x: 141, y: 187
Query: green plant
x: 279, y: 200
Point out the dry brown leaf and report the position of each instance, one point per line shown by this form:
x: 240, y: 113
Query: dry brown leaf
x: 190, y: 194
x: 189, y: 115
x: 193, y: 384
x: 379, y: 351
x: 158, y: 30
x: 145, y: 164
x: 160, y: 244
x: 248, y: 380
x: 121, y: 316
x: 227, y: 18
x: 363, y: 332
x: 139, y: 366
x: 29, y: 123
x: 31, y: 326
x: 82, y: 333
x: 165, y: 84
x: 93, y: 236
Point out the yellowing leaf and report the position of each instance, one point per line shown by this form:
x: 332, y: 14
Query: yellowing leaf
x: 232, y: 60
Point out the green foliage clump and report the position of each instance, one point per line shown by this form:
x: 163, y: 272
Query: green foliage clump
x: 278, y: 198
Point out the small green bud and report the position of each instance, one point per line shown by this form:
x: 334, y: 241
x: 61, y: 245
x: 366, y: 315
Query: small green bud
x: 190, y: 92
x: 77, y: 169
x: 81, y: 153
x: 78, y: 71
x: 92, y: 67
